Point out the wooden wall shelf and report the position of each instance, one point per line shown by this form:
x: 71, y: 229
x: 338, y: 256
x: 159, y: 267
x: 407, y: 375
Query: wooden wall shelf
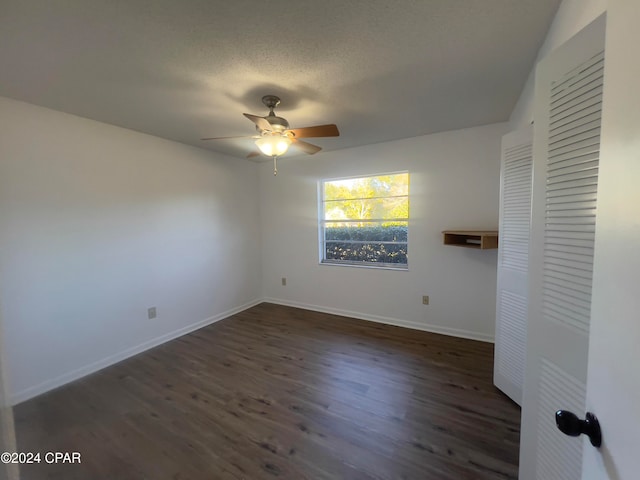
x: 480, y: 239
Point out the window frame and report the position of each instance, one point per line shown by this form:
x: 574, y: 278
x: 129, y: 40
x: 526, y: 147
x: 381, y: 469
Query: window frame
x: 322, y: 221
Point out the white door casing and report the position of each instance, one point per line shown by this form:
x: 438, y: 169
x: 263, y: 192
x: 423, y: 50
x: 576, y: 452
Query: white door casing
x: 513, y: 262
x: 613, y: 385
x: 9, y: 471
x: 568, y: 103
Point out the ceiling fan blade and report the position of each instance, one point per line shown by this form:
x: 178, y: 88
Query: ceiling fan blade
x: 306, y: 147
x: 259, y: 121
x: 255, y: 153
x: 224, y: 138
x: 330, y: 130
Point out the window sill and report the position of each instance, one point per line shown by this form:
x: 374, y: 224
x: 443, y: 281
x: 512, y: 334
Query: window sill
x: 402, y: 268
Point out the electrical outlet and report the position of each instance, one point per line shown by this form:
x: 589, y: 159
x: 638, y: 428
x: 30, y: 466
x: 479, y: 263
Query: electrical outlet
x: 425, y: 299
x: 284, y: 281
x: 152, y: 313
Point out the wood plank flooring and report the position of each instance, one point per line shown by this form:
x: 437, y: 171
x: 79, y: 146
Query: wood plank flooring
x: 282, y: 393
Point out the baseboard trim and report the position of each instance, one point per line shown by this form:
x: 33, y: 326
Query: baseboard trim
x: 454, y: 332
x: 68, y: 377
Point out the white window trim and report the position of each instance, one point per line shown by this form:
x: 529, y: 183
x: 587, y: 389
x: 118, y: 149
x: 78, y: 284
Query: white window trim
x: 321, y: 226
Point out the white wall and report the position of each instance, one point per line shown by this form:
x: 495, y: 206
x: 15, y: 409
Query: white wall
x: 454, y: 184
x: 572, y: 16
x: 97, y: 223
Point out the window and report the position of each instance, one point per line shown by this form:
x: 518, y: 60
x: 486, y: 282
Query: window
x: 364, y: 221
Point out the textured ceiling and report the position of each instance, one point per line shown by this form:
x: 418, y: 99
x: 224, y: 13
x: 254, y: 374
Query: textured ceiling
x: 380, y: 69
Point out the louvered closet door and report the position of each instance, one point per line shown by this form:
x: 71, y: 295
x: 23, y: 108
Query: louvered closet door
x: 513, y: 262
x: 567, y: 115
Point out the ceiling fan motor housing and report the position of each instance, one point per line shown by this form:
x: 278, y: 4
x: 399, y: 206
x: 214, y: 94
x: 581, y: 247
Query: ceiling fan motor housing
x: 278, y: 124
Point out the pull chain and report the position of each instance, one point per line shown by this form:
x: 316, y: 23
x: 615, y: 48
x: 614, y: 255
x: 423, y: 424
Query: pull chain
x: 275, y: 165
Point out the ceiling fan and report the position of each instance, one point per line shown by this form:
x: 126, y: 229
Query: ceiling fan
x: 274, y: 135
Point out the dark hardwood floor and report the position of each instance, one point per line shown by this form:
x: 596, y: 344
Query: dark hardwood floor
x: 278, y: 392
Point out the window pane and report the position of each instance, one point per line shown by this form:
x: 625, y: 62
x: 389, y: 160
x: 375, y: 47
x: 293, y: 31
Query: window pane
x: 366, y: 252
x: 367, y: 187
x: 365, y: 220
x: 367, y: 231
x: 372, y: 208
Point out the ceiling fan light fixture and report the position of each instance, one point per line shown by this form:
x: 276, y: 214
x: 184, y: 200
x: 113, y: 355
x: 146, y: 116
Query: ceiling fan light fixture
x: 273, y: 145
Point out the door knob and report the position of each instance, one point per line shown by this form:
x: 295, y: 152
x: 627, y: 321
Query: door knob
x: 571, y: 425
